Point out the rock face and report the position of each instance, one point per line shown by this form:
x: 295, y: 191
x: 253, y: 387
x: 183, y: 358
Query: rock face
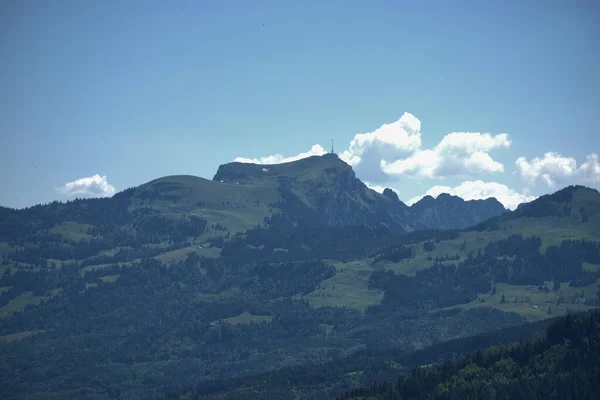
x: 452, y: 212
x: 318, y: 191
x: 391, y: 194
x: 324, y: 190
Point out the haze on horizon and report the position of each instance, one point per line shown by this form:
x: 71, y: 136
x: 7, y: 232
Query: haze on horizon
x: 472, y: 99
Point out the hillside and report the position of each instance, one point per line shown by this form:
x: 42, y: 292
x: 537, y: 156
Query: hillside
x: 326, y: 190
x: 468, y: 247
x: 363, y: 368
x: 311, y: 192
x: 562, y: 363
x: 185, y: 281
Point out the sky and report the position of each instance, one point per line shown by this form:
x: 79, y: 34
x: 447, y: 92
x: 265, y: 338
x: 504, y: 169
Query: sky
x: 476, y: 99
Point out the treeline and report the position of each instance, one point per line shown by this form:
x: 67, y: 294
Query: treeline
x: 515, y: 260
x: 20, y: 226
x: 364, y: 367
x: 556, y: 204
x: 163, y: 327
x: 561, y: 364
x: 164, y: 318
x: 395, y: 254
x: 259, y: 245
x: 435, y: 287
x: 345, y: 243
x: 139, y: 236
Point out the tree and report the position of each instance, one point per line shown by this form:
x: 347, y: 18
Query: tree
x: 503, y: 299
x: 556, y: 285
x: 428, y: 246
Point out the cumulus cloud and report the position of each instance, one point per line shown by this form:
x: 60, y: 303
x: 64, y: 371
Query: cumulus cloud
x: 316, y: 150
x: 395, y: 150
x: 478, y: 190
x: 390, y: 141
x: 590, y: 170
x: 458, y: 154
x: 553, y: 169
x: 93, y: 186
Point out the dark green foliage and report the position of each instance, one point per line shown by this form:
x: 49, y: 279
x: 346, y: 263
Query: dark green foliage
x: 28, y: 224
x: 352, y: 242
x: 305, y: 244
x: 562, y: 364
x: 238, y: 326
x: 287, y: 279
x: 428, y: 246
x: 395, y: 254
x: 324, y: 381
x: 445, y: 285
x: 150, y: 315
x: 434, y: 287
x: 154, y: 331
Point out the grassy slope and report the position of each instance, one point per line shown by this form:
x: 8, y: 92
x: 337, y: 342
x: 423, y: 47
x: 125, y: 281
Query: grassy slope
x: 240, y: 206
x: 20, y: 302
x: 245, y: 318
x: 534, y: 305
x: 350, y: 287
x: 235, y: 205
x: 72, y: 230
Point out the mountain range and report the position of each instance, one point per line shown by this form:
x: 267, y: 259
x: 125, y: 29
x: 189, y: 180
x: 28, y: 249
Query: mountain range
x: 311, y: 192
x: 277, y: 281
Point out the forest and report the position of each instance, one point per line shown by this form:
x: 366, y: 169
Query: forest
x: 562, y: 363
x: 101, y: 313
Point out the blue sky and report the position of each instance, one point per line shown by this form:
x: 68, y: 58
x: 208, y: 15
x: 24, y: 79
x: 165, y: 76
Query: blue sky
x: 480, y: 99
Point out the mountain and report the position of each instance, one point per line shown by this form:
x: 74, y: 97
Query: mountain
x: 562, y: 363
x: 452, y: 212
x: 325, y: 190
x: 574, y: 206
x: 186, y: 282
x: 363, y: 368
x: 318, y: 191
x: 312, y: 192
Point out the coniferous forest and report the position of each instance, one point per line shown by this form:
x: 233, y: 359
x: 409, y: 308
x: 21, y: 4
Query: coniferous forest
x: 562, y: 363
x: 115, y: 298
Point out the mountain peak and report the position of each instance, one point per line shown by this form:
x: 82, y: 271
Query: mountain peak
x: 448, y: 211
x: 245, y: 173
x: 314, y: 191
x: 577, y: 201
x: 392, y: 195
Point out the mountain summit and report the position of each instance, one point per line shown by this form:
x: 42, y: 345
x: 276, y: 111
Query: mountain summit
x: 303, y: 169
x: 452, y: 211
x: 314, y: 192
x: 324, y: 190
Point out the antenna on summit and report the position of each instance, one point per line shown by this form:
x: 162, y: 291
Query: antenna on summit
x: 332, y: 147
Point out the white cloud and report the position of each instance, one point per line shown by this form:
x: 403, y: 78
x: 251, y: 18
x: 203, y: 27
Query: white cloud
x: 477, y: 190
x: 590, y: 170
x: 395, y: 150
x: 366, y: 150
x: 316, y: 150
x: 555, y: 169
x: 458, y: 154
x: 93, y: 186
